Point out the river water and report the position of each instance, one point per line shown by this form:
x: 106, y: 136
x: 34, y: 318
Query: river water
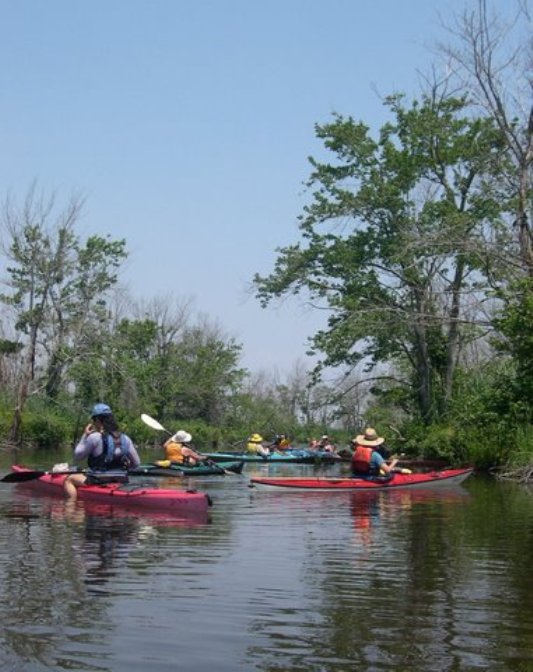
x: 317, y: 582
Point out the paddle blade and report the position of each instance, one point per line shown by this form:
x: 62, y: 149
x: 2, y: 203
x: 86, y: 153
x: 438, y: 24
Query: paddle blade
x: 152, y: 422
x: 20, y: 477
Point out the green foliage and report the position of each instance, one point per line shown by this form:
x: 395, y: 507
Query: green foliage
x: 46, y: 430
x: 515, y: 337
x: 522, y: 453
x: 392, y: 255
x: 9, y: 347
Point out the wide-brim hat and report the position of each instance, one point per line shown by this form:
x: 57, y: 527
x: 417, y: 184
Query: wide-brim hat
x: 182, y: 436
x: 369, y: 438
x: 256, y: 438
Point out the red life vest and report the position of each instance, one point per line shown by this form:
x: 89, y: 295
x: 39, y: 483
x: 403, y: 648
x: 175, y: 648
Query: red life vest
x: 361, y: 459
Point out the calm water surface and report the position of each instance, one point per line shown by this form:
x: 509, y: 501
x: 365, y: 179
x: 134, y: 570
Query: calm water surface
x: 293, y: 582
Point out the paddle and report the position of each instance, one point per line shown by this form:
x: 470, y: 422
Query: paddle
x: 21, y: 476
x: 154, y: 424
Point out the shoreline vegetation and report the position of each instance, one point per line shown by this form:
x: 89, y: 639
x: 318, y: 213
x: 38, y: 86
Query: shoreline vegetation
x: 45, y: 433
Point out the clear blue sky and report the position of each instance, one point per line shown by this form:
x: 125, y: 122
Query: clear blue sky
x: 187, y: 125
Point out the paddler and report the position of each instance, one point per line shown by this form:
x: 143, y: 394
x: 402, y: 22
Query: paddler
x: 179, y: 451
x: 105, y: 447
x: 367, y: 460
x: 255, y: 446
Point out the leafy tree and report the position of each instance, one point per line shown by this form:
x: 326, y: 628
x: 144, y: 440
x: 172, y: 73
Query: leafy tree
x: 203, y: 375
x: 58, y: 286
x: 398, y: 242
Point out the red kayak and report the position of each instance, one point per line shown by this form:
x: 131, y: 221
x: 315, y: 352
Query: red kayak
x: 430, y: 479
x: 181, y: 502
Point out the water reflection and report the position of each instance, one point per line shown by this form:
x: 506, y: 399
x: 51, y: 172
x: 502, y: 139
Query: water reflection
x: 110, y: 535
x: 362, y: 581
x: 369, y: 510
x: 424, y: 580
x: 61, y: 556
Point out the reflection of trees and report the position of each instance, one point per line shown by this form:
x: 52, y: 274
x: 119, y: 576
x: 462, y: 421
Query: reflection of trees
x: 368, y: 600
x: 60, y: 578
x: 415, y: 581
x: 44, y: 588
x: 52, y: 575
x: 107, y: 542
x: 402, y: 602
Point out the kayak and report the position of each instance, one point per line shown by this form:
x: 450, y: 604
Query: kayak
x: 429, y: 479
x: 285, y: 458
x: 294, y: 456
x: 161, y: 499
x: 220, y: 468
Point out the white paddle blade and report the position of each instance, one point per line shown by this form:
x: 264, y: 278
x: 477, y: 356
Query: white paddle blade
x: 151, y: 422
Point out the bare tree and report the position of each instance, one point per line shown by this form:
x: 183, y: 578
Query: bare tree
x: 493, y: 62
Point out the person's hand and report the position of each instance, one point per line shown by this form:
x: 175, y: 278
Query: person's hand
x: 89, y: 429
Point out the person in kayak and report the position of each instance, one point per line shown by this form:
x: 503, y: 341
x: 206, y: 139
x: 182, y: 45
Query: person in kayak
x: 104, y: 446
x: 280, y: 443
x: 371, y: 435
x: 367, y: 461
x: 326, y: 445
x: 255, y: 446
x: 179, y: 451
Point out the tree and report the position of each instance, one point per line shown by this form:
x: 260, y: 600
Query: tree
x: 415, y: 229
x: 57, y: 287
x: 492, y: 62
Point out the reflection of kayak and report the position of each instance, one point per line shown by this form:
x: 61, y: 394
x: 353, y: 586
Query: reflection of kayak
x: 156, y: 518
x: 176, y: 501
x: 235, y: 466
x: 293, y: 456
x: 431, y: 479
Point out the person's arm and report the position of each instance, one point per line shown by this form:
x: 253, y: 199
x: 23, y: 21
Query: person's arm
x: 387, y: 468
x: 187, y: 451
x: 89, y: 444
x: 133, y: 455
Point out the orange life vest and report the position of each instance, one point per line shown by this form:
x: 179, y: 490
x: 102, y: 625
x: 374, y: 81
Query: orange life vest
x: 361, y: 459
x: 173, y: 451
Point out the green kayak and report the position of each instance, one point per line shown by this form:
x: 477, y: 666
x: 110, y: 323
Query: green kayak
x: 202, y: 469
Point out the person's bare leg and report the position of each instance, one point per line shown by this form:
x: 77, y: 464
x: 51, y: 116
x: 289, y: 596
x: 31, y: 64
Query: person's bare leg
x: 71, y: 484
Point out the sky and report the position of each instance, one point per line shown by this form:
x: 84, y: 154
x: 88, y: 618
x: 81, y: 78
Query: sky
x: 187, y: 126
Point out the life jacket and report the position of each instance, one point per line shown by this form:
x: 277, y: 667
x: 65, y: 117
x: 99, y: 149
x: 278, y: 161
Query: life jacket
x: 253, y: 446
x: 109, y: 459
x: 361, y: 459
x: 173, y: 451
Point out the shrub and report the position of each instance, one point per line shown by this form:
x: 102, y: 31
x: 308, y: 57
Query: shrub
x: 46, y: 430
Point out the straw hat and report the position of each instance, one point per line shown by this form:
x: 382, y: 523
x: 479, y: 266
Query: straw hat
x: 256, y: 438
x: 369, y: 438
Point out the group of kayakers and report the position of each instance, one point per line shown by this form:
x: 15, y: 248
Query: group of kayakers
x: 368, y: 452
x: 256, y: 445
x: 106, y: 448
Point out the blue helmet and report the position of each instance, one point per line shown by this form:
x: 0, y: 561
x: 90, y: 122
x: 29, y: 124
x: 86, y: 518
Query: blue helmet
x: 101, y: 409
